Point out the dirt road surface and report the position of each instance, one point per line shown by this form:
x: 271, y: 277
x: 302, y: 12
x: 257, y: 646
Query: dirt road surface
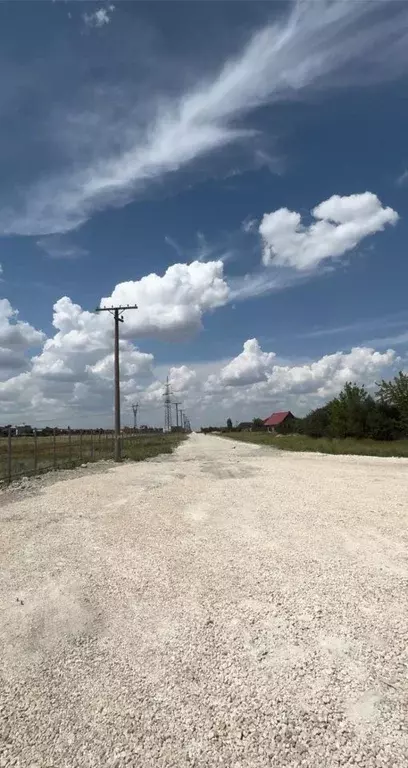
x: 228, y: 605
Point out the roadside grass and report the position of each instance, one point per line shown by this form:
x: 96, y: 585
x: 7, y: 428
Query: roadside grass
x: 28, y: 458
x: 149, y: 446
x: 346, y: 446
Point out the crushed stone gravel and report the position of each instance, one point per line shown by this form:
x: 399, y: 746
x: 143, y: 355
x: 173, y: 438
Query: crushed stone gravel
x: 227, y: 605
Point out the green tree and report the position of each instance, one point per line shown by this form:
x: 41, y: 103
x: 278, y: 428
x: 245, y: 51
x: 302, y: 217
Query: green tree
x: 395, y: 394
x: 349, y: 412
x: 229, y: 424
x: 316, y: 423
x: 257, y: 423
x: 383, y: 422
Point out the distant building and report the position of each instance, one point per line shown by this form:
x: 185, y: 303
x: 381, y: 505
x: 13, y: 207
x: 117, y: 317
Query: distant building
x: 245, y: 426
x: 22, y: 429
x: 277, y: 419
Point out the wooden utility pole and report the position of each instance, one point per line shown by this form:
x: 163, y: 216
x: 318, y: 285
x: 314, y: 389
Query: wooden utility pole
x: 118, y: 317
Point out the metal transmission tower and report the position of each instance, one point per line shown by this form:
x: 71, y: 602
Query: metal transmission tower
x: 177, y: 414
x: 135, y: 407
x: 115, y: 311
x: 167, y: 407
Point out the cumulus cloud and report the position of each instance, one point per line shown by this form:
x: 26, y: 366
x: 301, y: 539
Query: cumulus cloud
x: 172, y: 304
x: 16, y: 339
x: 73, y: 372
x: 183, y: 381
x: 81, y: 348
x: 315, y: 45
x: 249, y: 367
x: 181, y: 378
x: 328, y: 375
x: 267, y: 385
x: 133, y: 363
x: 341, y: 224
x: 70, y: 380
x: 74, y: 369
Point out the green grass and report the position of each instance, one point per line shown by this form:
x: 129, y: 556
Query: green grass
x: 348, y: 446
x: 149, y: 446
x: 29, y: 458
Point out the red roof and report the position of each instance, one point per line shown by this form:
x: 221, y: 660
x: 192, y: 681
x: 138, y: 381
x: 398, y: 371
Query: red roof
x: 276, y: 418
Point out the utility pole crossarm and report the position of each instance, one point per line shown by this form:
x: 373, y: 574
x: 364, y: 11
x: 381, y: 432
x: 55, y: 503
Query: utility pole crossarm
x: 114, y: 309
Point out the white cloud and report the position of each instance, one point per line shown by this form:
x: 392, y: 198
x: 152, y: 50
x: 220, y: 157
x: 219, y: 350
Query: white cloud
x: 316, y: 45
x: 57, y: 247
x: 328, y: 375
x: 402, y: 179
x: 70, y: 380
x: 100, y: 17
x: 183, y: 384
x: 133, y: 363
x: 249, y: 367
x: 172, y: 304
x: 263, y: 281
x: 267, y: 385
x: 73, y: 372
x: 341, y: 224
x: 81, y: 349
x: 17, y: 339
x: 249, y: 225
x: 181, y: 379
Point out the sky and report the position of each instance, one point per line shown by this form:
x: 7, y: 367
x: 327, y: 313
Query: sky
x: 239, y: 170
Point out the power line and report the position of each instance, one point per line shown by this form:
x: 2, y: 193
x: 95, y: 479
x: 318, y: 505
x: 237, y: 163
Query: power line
x: 118, y: 319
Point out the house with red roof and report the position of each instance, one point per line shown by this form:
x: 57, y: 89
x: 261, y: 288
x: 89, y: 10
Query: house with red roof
x: 277, y: 419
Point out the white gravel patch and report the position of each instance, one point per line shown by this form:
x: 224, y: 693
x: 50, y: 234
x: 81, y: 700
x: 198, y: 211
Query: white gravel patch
x: 227, y: 605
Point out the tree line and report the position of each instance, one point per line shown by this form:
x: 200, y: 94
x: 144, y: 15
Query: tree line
x: 356, y: 413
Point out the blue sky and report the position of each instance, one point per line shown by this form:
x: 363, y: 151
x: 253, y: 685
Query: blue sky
x: 261, y: 147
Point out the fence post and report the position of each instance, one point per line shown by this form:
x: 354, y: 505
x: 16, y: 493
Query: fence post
x: 92, y: 447
x: 54, y: 449
x: 9, y: 465
x: 69, y: 446
x: 35, y: 452
x: 80, y: 446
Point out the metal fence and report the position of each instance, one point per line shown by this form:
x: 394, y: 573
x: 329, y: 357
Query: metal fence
x: 25, y: 455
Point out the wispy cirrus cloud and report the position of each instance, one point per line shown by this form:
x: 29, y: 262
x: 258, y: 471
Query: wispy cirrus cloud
x: 402, y: 179
x: 57, y: 247
x: 317, y: 45
x: 360, y: 327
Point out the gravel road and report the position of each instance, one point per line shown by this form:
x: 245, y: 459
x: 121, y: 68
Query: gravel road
x: 227, y: 605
